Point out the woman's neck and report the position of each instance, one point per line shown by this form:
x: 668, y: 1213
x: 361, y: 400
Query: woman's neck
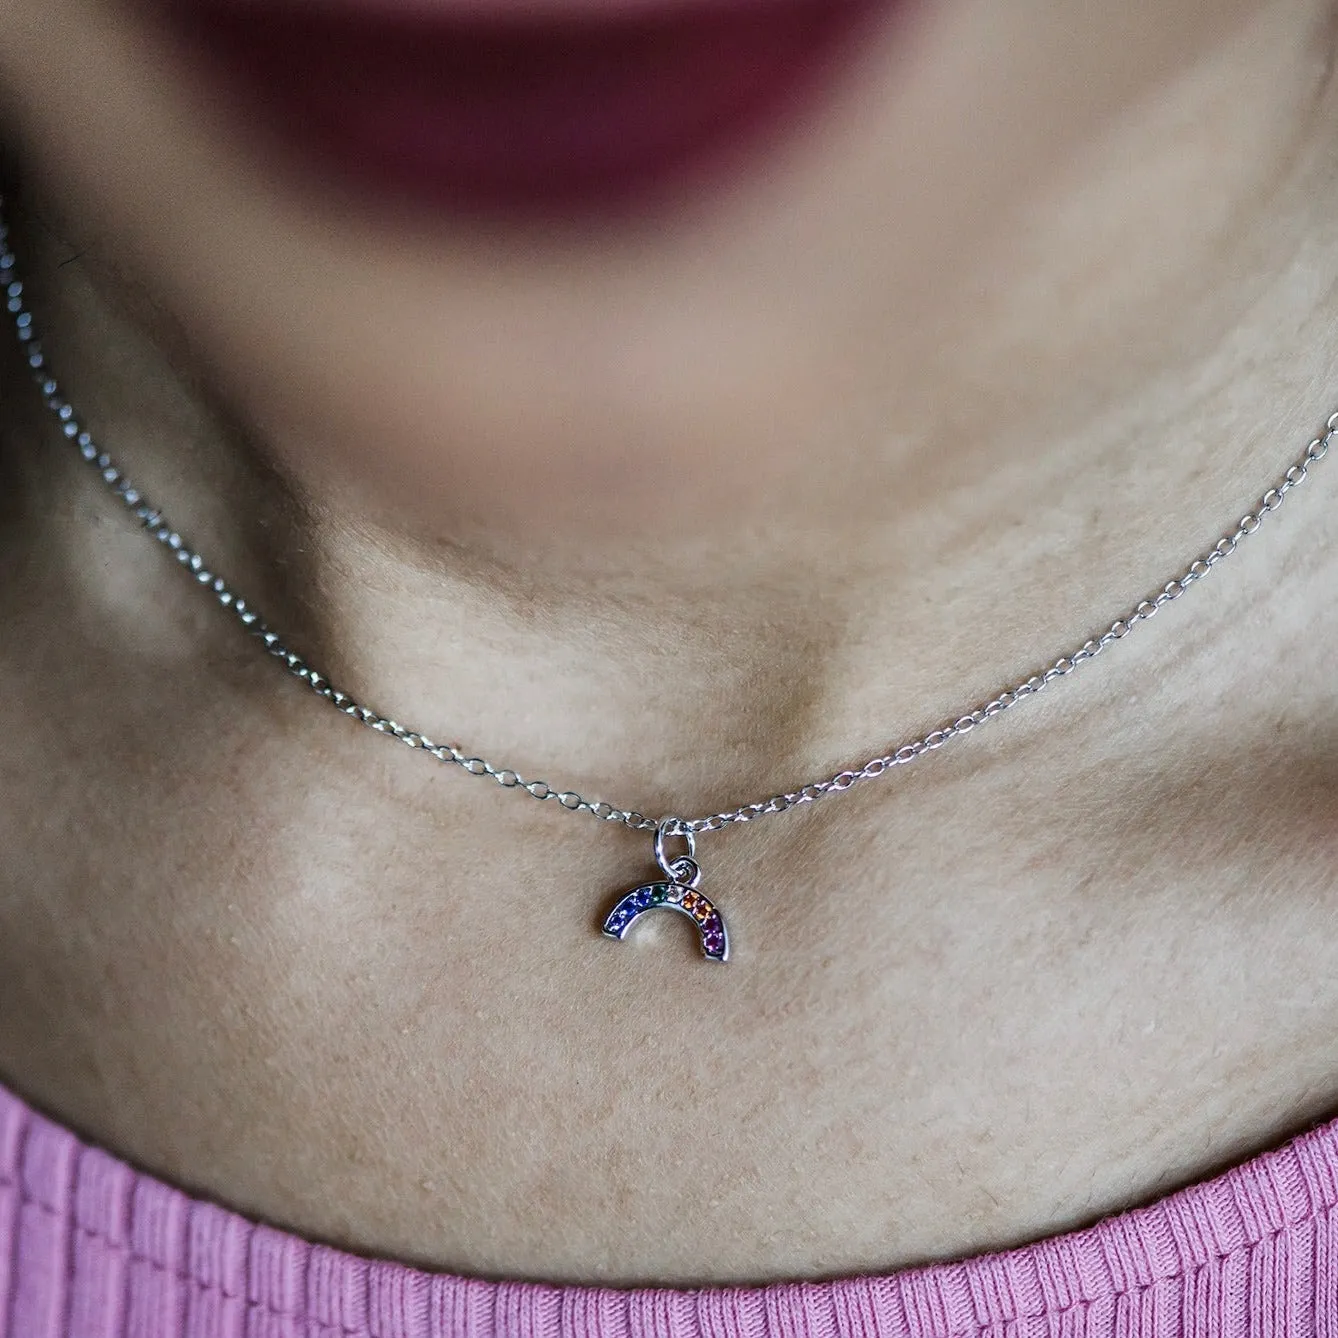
x: 921, y: 523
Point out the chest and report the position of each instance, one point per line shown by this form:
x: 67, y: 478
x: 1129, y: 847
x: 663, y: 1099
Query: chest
x: 972, y: 1017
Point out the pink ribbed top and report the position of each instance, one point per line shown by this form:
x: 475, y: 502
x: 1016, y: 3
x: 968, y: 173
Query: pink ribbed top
x: 89, y: 1248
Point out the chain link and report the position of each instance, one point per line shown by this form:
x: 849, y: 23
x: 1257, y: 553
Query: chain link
x: 160, y: 528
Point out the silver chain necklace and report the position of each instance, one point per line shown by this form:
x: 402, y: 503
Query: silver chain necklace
x: 678, y: 888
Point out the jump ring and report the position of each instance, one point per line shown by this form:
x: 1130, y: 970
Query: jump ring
x: 671, y: 827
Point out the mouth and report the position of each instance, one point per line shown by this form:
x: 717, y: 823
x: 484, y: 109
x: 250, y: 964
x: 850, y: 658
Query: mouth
x: 524, y: 106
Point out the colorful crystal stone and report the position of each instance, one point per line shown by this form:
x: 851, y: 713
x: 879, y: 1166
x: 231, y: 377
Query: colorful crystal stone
x: 671, y: 896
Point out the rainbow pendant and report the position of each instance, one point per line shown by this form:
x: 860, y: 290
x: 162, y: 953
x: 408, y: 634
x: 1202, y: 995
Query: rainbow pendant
x: 678, y: 892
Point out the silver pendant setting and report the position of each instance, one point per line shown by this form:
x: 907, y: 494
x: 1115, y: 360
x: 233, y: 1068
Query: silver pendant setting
x: 678, y: 892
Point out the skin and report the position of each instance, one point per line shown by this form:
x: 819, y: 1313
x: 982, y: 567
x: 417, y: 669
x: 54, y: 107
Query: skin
x: 711, y: 502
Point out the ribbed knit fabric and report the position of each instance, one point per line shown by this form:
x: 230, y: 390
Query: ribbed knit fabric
x: 89, y: 1248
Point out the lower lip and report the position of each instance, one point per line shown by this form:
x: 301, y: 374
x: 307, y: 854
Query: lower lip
x: 516, y: 111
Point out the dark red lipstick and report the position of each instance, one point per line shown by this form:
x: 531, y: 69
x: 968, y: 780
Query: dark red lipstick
x: 552, y: 106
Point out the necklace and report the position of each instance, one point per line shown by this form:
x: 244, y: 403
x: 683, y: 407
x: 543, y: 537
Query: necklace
x: 677, y: 888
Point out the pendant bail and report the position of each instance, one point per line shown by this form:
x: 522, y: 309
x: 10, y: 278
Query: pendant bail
x: 682, y: 869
